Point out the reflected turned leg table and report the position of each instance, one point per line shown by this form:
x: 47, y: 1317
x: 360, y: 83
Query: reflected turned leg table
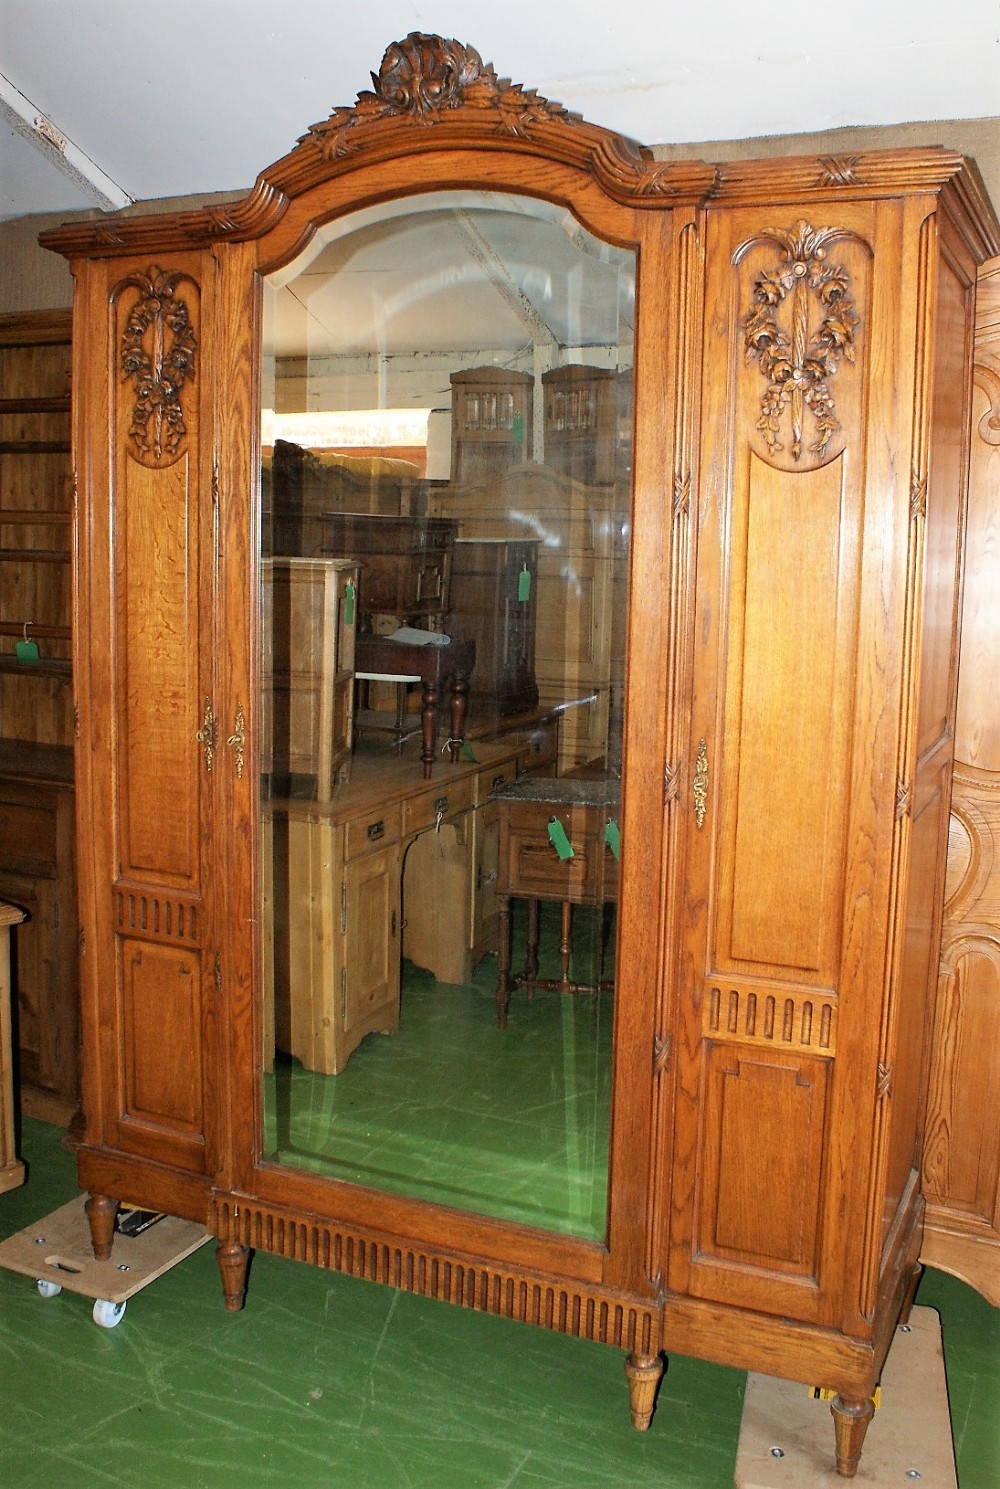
x: 382, y: 658
x: 558, y: 842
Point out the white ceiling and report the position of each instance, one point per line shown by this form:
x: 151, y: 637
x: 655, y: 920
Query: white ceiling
x: 199, y: 95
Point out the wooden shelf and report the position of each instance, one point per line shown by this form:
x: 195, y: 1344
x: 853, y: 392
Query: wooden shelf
x: 40, y: 328
x: 28, y: 517
x: 34, y: 447
x: 44, y: 667
x: 60, y: 405
x: 34, y: 556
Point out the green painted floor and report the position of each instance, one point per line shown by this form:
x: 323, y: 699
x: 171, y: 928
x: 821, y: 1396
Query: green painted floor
x: 506, y: 1122
x: 324, y: 1382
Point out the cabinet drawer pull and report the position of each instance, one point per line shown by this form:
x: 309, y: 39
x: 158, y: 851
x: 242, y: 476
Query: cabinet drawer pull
x: 497, y: 782
x: 376, y: 830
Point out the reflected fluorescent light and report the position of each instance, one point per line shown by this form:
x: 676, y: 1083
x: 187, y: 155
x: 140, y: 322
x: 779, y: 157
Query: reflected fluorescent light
x: 364, y: 428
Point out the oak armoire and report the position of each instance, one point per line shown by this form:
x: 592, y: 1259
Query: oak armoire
x: 735, y: 1172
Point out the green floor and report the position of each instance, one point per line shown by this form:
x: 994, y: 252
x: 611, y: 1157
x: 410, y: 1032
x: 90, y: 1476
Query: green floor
x: 506, y: 1122
x: 328, y: 1383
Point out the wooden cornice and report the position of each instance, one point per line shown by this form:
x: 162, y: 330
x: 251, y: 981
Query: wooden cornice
x: 436, y: 95
x: 869, y: 173
x: 429, y: 94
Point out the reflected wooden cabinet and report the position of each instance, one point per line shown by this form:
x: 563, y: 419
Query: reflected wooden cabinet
x: 36, y: 705
x: 574, y: 593
x: 38, y: 873
x: 337, y: 896
x: 801, y: 381
x: 492, y: 602
x: 492, y: 419
x: 308, y: 619
x: 581, y: 422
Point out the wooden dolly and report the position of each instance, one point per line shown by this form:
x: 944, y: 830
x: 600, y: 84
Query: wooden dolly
x: 56, y: 1251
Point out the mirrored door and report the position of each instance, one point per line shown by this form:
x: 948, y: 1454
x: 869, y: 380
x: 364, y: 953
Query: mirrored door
x: 446, y: 483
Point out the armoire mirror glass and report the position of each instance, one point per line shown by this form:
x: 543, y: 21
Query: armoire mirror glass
x: 452, y: 372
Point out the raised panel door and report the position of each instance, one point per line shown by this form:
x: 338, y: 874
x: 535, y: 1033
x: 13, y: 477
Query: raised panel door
x: 779, y: 827
x: 152, y: 744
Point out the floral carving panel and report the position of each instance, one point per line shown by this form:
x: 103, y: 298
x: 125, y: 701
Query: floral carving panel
x: 800, y: 327
x: 158, y: 347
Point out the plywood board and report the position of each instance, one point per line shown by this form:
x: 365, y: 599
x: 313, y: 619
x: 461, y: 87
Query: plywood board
x: 57, y: 1249
x: 909, y: 1439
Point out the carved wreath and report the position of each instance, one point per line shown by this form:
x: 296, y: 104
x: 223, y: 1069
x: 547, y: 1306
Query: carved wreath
x: 157, y: 354
x: 422, y: 79
x: 798, y: 365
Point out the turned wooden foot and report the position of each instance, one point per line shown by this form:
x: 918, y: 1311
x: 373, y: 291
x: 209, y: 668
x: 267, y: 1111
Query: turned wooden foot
x: 851, y: 1415
x: 101, y: 1212
x: 643, y: 1373
x: 233, y: 1260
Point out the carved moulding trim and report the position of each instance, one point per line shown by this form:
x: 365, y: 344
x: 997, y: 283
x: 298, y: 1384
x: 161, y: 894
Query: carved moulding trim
x: 978, y: 828
x: 840, y: 170
x: 147, y: 913
x: 884, y: 172
x: 799, y: 362
x: 157, y: 355
x: 583, y: 1311
x: 778, y: 1018
x: 988, y: 427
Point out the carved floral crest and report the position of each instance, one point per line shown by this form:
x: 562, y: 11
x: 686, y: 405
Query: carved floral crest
x: 798, y: 364
x: 157, y: 354
x: 424, y: 77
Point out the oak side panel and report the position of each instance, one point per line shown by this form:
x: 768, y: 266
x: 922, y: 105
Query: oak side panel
x: 961, y: 1165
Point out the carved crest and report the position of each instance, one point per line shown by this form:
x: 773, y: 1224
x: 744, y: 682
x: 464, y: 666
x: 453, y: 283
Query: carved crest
x: 839, y: 170
x: 157, y: 355
x: 797, y: 362
x: 422, y: 79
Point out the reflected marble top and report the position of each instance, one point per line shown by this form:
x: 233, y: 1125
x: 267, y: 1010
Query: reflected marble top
x: 602, y: 791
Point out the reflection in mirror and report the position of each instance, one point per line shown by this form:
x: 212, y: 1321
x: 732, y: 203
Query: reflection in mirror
x: 446, y: 433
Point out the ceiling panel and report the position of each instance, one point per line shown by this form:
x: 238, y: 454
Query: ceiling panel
x: 200, y: 96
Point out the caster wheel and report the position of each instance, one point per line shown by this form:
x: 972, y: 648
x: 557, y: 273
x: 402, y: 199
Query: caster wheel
x: 47, y: 1289
x: 106, y: 1314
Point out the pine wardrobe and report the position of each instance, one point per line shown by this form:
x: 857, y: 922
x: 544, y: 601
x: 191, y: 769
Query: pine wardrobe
x: 770, y: 545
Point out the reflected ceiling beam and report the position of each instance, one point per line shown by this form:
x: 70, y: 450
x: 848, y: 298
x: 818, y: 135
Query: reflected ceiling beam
x: 499, y: 276
x: 58, y: 149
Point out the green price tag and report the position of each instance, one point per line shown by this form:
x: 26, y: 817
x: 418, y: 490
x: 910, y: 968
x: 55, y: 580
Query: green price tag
x: 466, y: 752
x: 613, y: 838
x: 524, y: 586
x: 348, y: 604
x: 559, y: 840
x: 27, y: 653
